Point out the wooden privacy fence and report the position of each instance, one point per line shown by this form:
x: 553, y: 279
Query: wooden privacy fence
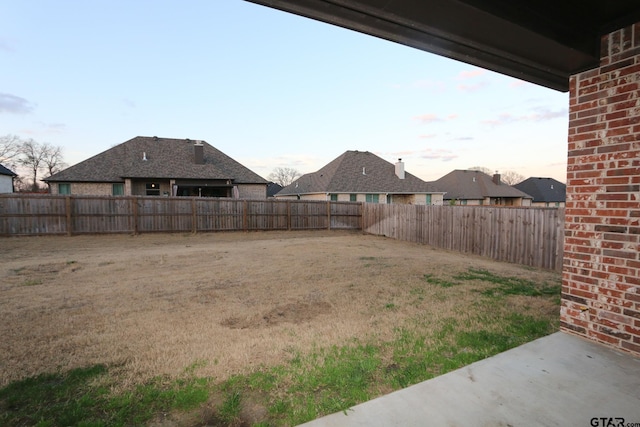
x: 48, y: 214
x: 529, y: 236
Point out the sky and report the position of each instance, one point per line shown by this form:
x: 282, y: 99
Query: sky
x: 268, y: 88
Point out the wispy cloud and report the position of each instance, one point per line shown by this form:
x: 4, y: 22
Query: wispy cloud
x: 539, y: 114
x: 405, y: 153
x: 469, y: 74
x: 502, y: 119
x: 43, y: 128
x: 54, y: 127
x: 438, y: 154
x: 428, y: 136
x: 463, y: 138
x: 515, y: 84
x: 129, y: 103
x: 426, y: 153
x: 5, y: 46
x: 14, y: 104
x: 433, y: 118
x: 428, y: 118
x: 472, y: 88
x: 395, y: 154
x: 544, y: 113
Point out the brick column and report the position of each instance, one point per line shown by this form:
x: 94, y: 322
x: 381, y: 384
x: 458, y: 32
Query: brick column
x: 601, y: 275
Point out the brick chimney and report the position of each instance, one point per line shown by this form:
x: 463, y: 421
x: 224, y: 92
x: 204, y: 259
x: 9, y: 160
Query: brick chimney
x: 496, y: 179
x: 198, y: 152
x: 400, y: 169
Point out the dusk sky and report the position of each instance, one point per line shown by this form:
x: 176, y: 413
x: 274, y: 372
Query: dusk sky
x: 265, y: 87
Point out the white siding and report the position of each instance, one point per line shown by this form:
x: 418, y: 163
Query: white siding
x: 6, y: 184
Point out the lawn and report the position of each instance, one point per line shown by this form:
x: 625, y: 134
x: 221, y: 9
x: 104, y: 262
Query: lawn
x: 241, y: 329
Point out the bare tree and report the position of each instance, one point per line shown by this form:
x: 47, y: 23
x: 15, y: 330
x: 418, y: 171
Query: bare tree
x: 32, y: 156
x: 9, y: 147
x: 284, y: 176
x: 53, y: 161
x: 512, y: 178
x: 20, y: 185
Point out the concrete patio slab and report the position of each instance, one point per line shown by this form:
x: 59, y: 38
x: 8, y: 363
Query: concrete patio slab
x: 558, y: 380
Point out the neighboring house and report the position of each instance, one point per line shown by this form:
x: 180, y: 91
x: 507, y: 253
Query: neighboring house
x: 6, y: 180
x: 273, y: 188
x: 360, y: 176
x: 546, y: 192
x: 152, y: 166
x: 471, y: 187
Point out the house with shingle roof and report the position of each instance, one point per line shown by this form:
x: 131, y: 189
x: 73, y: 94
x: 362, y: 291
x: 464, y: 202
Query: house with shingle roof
x: 472, y: 187
x: 546, y: 192
x: 361, y: 176
x: 6, y: 179
x: 152, y: 166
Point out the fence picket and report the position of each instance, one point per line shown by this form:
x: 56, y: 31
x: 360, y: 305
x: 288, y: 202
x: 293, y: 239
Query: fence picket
x: 529, y: 236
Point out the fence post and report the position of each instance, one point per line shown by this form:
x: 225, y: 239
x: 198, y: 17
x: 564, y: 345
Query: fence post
x: 194, y: 216
x: 245, y: 220
x: 329, y: 215
x: 288, y: 215
x: 134, y: 212
x: 69, y: 222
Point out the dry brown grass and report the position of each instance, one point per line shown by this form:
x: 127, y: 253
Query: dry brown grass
x: 157, y: 304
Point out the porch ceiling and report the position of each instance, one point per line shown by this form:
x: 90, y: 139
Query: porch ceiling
x: 541, y: 41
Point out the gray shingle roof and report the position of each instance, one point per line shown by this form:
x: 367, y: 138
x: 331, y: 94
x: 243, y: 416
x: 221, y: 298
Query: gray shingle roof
x: 345, y: 175
x: 165, y: 158
x: 273, y: 188
x: 474, y: 185
x: 6, y: 171
x: 543, y: 189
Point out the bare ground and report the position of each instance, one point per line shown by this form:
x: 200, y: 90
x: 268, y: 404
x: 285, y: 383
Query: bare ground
x: 225, y: 302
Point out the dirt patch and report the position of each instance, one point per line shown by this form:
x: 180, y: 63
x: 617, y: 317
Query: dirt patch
x: 156, y: 304
x: 294, y: 313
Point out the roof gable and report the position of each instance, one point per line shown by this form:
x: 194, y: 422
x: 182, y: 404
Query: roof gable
x: 7, y: 171
x: 153, y: 157
x: 543, y: 189
x: 358, y: 172
x: 475, y: 185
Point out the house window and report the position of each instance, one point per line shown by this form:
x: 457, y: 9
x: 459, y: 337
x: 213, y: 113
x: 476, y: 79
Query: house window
x: 334, y: 197
x: 389, y: 199
x: 464, y: 202
x: 428, y: 199
x: 153, y: 189
x: 372, y: 198
x: 353, y: 197
x: 64, y: 188
x: 117, y: 189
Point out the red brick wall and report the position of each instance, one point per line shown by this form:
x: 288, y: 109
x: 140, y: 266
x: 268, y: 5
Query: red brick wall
x: 601, y: 276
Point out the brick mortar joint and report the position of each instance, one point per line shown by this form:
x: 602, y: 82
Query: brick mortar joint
x: 614, y: 42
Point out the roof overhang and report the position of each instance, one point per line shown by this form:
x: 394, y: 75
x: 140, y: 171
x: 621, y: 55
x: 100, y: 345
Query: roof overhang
x: 540, y: 41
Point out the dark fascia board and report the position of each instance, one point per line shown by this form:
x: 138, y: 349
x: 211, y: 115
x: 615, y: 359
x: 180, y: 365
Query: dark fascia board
x: 574, y: 23
x: 464, y: 31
